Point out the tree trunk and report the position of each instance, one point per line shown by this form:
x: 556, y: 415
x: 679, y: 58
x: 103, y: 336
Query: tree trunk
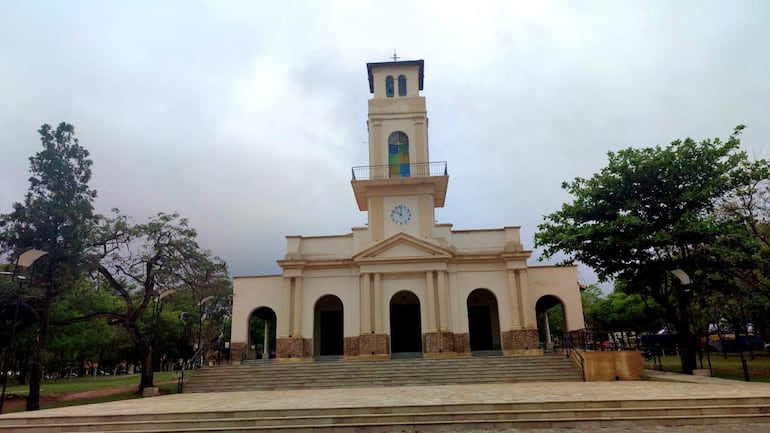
x: 36, y: 362
x: 147, y: 372
x: 22, y: 365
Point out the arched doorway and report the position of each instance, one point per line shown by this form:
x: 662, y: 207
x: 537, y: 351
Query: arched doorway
x: 551, y: 320
x: 483, y: 321
x: 262, y: 323
x: 328, y: 327
x: 405, y: 327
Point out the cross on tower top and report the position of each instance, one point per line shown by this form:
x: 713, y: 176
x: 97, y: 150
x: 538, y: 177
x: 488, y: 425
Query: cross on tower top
x: 395, y: 57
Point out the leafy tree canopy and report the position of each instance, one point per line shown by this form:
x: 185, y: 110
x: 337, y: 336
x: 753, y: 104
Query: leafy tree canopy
x: 142, y: 263
x: 654, y: 210
x: 649, y: 211
x: 56, y: 217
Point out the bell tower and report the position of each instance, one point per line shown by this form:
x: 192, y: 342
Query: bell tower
x: 401, y: 186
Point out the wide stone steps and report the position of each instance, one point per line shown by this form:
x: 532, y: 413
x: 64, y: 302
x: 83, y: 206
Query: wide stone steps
x: 406, y: 372
x: 457, y: 417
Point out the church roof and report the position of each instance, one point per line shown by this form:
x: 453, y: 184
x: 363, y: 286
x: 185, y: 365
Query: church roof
x: 370, y: 66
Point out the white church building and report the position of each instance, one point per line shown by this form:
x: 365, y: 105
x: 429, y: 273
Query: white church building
x: 403, y: 285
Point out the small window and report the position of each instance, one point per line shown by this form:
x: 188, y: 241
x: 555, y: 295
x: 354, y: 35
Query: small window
x: 401, y: 85
x: 389, y: 86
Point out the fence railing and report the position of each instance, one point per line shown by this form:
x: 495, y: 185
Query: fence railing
x: 592, y: 340
x: 395, y: 171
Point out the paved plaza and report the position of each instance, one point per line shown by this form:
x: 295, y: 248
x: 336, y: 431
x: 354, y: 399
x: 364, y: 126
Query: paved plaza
x: 663, y: 386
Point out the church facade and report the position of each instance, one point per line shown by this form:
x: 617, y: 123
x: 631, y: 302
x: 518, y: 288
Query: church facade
x: 403, y: 285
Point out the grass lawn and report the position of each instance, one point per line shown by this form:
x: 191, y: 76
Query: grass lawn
x: 730, y: 368
x: 87, y: 390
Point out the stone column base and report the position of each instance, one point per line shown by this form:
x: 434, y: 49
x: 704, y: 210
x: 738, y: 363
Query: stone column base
x: 293, y: 348
x: 439, y: 344
x: 350, y: 347
x: 373, y: 346
x: 521, y: 342
x: 236, y: 353
x: 462, y: 344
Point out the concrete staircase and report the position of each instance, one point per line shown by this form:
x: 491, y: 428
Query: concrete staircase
x: 400, y: 372
x: 426, y: 418
x: 475, y: 399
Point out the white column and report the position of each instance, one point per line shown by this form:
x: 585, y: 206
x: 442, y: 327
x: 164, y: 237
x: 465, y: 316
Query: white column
x: 527, y: 311
x: 513, y: 300
x: 266, y: 347
x: 298, y: 307
x: 284, y: 317
x: 547, y: 326
x: 443, y: 302
x: 377, y: 303
x: 366, y: 304
x: 430, y: 304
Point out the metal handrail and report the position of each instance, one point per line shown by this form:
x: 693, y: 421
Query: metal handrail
x: 571, y: 349
x: 420, y: 169
x: 190, y: 364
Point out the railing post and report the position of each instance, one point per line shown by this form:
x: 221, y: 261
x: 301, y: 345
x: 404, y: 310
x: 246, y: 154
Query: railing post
x: 180, y: 382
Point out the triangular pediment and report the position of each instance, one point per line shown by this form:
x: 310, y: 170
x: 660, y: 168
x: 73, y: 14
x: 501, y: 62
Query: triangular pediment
x: 402, y: 247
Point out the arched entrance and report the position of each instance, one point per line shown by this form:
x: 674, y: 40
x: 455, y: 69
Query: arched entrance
x: 405, y: 327
x: 328, y: 327
x: 261, y: 334
x: 551, y: 320
x: 483, y: 321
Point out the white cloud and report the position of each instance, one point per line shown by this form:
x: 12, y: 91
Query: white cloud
x: 247, y: 116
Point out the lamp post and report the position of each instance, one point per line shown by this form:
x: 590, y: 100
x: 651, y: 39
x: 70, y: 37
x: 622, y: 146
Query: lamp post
x: 200, y: 323
x: 158, y: 308
x: 685, y: 280
x: 26, y: 259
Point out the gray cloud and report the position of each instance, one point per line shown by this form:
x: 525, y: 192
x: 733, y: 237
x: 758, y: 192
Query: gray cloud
x: 246, y: 117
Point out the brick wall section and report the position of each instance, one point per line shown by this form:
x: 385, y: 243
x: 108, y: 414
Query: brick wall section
x: 350, y: 346
x: 236, y: 353
x: 462, y: 343
x: 431, y: 342
x: 521, y: 339
x: 373, y: 344
x: 294, y: 347
x: 438, y: 342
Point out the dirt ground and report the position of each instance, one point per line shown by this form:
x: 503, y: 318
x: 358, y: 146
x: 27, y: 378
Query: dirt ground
x: 16, y: 403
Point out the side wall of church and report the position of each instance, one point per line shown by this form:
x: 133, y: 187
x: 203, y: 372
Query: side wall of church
x: 250, y: 293
x: 561, y: 282
x: 468, y: 278
x: 342, y: 283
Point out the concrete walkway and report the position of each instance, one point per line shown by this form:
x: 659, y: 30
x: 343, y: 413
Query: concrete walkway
x: 660, y: 386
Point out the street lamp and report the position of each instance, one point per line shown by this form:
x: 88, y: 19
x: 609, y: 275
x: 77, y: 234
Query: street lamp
x: 200, y: 322
x: 26, y: 259
x: 157, y: 309
x: 685, y: 280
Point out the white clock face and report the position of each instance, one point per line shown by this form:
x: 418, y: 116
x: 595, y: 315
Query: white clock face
x: 401, y: 214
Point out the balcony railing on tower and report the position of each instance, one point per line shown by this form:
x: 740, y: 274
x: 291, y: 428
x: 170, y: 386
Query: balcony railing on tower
x: 396, y: 171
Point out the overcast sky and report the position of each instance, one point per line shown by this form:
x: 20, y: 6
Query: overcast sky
x: 246, y: 116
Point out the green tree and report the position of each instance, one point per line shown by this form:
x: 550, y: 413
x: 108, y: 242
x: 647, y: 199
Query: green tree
x: 651, y: 211
x: 56, y: 216
x: 627, y: 312
x: 81, y: 342
x: 139, y: 263
x: 590, y: 297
